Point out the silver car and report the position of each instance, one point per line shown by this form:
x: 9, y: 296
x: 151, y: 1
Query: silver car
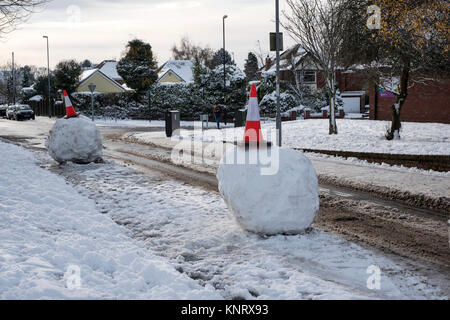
x: 23, y: 112
x: 10, y: 112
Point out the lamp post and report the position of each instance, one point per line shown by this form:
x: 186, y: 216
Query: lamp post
x: 149, y: 106
x: 224, y: 60
x: 277, y: 26
x: 92, y: 88
x: 13, y: 85
x: 48, y: 74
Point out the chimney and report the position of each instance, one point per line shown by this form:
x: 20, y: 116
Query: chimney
x: 268, y: 63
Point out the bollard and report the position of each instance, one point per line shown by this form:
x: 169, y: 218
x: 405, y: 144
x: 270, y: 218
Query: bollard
x: 204, y: 118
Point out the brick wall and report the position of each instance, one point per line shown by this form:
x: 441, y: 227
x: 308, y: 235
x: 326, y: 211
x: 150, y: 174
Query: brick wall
x: 351, y: 81
x: 425, y: 103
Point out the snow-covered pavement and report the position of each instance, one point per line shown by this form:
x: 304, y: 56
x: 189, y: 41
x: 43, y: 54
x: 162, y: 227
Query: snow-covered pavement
x: 47, y: 226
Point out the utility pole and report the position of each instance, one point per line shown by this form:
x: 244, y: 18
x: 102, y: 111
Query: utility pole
x: 48, y: 74
x: 13, y: 84
x: 277, y: 22
x: 224, y: 61
x: 92, y: 89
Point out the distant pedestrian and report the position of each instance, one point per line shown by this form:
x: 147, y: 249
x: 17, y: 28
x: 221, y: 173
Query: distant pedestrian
x: 218, y: 115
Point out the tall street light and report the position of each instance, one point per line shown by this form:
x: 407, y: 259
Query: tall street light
x: 13, y: 74
x: 224, y: 59
x: 277, y: 23
x: 48, y: 73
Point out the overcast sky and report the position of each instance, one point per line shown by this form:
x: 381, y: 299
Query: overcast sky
x: 99, y: 29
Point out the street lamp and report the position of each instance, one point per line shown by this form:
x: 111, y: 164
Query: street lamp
x: 149, y: 106
x: 277, y: 37
x: 48, y: 73
x: 224, y: 60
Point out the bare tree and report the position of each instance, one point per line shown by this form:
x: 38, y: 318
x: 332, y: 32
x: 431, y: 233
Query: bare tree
x: 317, y: 26
x: 261, y: 55
x: 13, y: 12
x: 189, y: 51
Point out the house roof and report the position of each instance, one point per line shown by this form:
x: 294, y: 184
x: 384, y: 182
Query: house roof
x: 297, y: 53
x: 109, y: 67
x: 86, y: 75
x: 181, y: 68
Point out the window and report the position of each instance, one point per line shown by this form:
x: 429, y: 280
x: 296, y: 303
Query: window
x: 309, y: 76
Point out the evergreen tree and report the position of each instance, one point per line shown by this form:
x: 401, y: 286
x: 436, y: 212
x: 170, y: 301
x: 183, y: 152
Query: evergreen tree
x: 251, y: 67
x: 67, y: 75
x: 138, y: 66
x: 27, y: 77
x: 219, y: 58
x: 41, y: 86
x: 86, y: 64
x: 199, y: 72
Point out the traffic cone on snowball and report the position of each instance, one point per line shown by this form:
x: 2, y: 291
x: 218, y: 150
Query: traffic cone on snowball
x: 70, y: 110
x: 253, y: 134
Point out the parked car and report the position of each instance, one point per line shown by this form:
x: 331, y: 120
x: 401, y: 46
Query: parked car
x: 10, y: 112
x: 3, y: 108
x: 22, y: 112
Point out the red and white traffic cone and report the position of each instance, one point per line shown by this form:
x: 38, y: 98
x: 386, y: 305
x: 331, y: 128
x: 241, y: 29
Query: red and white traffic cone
x: 70, y: 111
x: 253, y: 134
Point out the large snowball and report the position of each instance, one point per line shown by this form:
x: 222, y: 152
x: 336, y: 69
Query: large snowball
x: 75, y: 139
x: 282, y: 199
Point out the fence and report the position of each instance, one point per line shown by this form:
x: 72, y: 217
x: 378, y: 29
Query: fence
x: 41, y: 108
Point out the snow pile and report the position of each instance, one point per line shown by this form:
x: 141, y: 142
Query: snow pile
x: 50, y: 235
x: 284, y: 200
x: 75, y: 139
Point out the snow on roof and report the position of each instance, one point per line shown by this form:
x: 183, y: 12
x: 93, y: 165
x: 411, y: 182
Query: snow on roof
x: 86, y: 74
x: 182, y: 68
x: 110, y: 69
x: 36, y: 98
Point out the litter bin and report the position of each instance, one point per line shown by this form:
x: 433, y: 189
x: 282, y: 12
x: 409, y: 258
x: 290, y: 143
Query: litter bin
x: 240, y: 118
x: 172, y: 122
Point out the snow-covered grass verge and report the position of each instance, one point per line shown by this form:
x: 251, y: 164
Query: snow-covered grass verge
x: 48, y: 230
x: 360, y: 136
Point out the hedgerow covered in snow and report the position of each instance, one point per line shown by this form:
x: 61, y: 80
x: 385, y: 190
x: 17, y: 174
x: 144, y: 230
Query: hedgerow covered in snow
x: 191, y: 100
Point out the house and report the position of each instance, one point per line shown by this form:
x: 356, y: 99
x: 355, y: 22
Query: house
x: 354, y: 91
x: 103, y: 83
x: 176, y: 71
x: 297, y: 59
